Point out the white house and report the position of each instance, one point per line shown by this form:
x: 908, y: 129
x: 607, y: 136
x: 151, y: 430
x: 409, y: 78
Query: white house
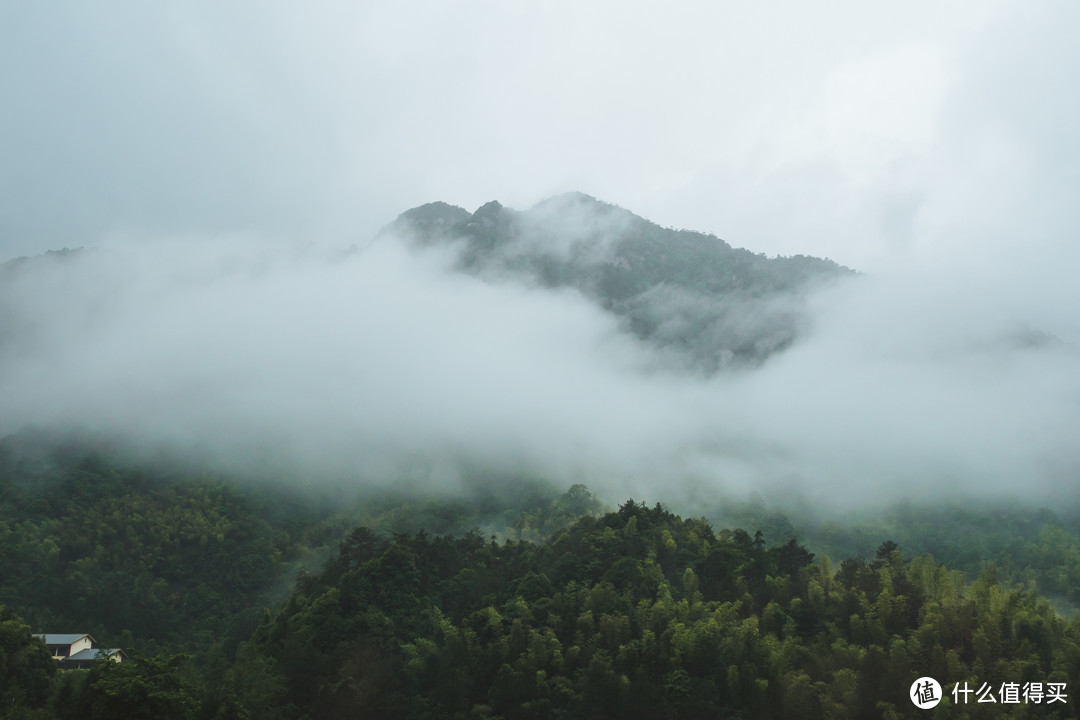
x: 76, y: 651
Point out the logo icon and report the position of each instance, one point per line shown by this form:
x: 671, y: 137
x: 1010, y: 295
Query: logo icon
x: 925, y: 693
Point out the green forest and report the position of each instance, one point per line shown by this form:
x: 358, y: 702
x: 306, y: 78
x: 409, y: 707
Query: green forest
x: 239, y: 600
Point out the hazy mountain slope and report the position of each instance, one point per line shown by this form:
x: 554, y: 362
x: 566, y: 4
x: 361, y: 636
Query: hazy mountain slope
x: 713, y: 305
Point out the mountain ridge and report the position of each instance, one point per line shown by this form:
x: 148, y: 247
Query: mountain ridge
x: 692, y: 294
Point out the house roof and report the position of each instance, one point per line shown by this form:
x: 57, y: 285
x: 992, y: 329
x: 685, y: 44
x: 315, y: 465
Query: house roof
x: 63, y: 639
x: 94, y: 654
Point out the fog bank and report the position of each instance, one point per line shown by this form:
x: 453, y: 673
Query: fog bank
x: 386, y: 368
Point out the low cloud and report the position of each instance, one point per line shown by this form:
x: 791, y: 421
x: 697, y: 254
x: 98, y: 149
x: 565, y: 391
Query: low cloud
x: 387, y: 368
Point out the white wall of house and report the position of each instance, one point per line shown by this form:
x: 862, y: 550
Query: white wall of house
x: 83, y: 643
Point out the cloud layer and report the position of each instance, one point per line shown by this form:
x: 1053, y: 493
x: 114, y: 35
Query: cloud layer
x: 385, y: 367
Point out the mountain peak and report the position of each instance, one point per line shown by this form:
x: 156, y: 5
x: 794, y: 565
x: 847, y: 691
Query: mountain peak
x: 489, y: 208
x: 426, y: 222
x: 576, y: 200
x: 574, y: 196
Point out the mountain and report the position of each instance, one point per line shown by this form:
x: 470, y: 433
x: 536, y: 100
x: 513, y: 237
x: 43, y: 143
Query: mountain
x: 709, y: 305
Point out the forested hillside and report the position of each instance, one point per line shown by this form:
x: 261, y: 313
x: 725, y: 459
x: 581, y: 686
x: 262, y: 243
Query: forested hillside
x: 154, y: 556
x: 640, y: 613
x: 552, y: 610
x: 136, y: 556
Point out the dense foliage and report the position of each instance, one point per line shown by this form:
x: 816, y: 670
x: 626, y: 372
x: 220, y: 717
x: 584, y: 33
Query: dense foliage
x: 26, y: 668
x: 642, y: 614
x: 170, y: 560
x: 122, y: 554
x: 1034, y: 548
x: 552, y: 609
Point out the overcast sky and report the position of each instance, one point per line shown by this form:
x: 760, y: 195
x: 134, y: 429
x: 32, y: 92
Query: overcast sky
x: 933, y: 145
x: 871, y: 134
